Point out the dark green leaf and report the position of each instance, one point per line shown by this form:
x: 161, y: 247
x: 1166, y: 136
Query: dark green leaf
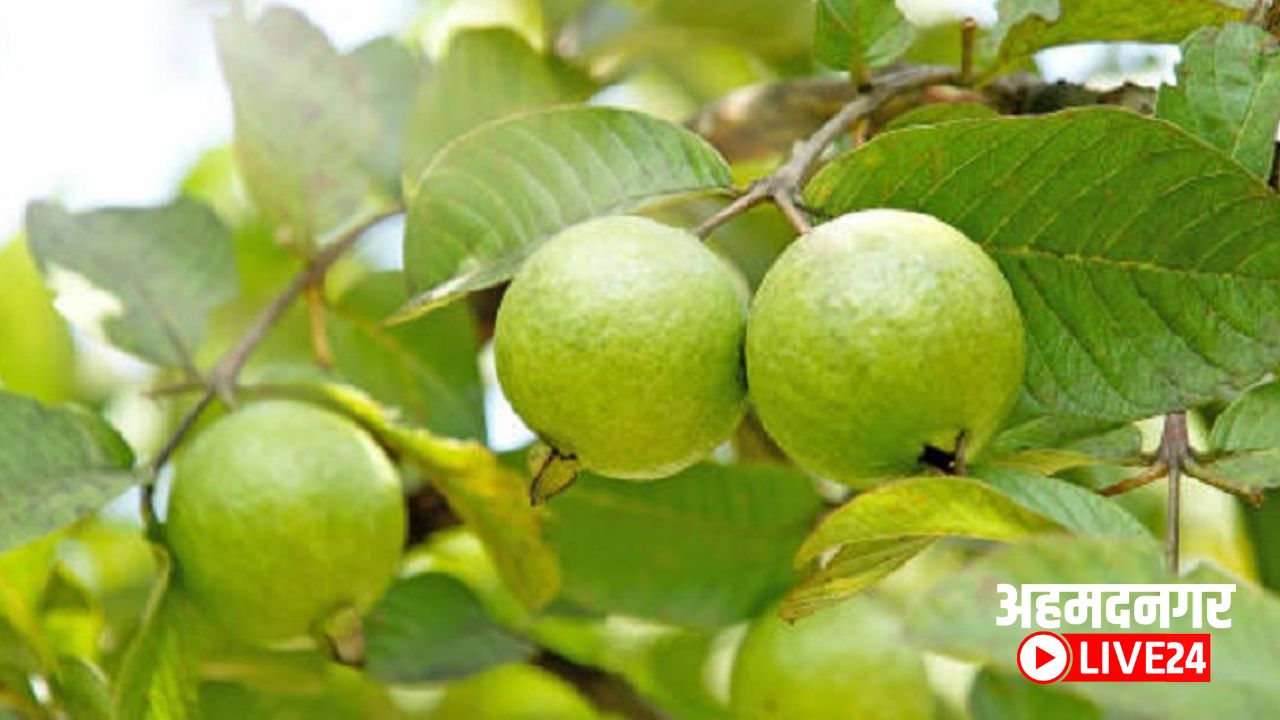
x: 1262, y: 526
x: 144, y: 279
x: 1026, y: 26
x: 427, y: 368
x: 430, y: 627
x: 1245, y: 440
x: 56, y: 465
x: 1073, y: 507
x: 495, y: 194
x: 1003, y: 696
x: 707, y: 547
x: 858, y: 34
x: 308, y: 125
x: 1103, y: 439
x: 1143, y: 261
x: 957, y: 618
x: 515, y: 78
x: 1228, y: 92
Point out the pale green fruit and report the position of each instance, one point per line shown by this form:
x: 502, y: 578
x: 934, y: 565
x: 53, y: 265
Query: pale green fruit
x: 513, y: 692
x: 878, y: 334
x: 620, y: 342
x: 281, y: 514
x: 847, y: 662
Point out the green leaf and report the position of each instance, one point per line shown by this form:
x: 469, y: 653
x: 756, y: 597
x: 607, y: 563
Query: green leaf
x: 515, y: 77
x: 1245, y: 440
x: 957, y: 619
x: 495, y: 194
x: 707, y: 547
x: 1027, y: 26
x: 489, y: 497
x: 858, y: 34
x: 1143, y: 261
x: 854, y: 568
x: 1102, y: 439
x: 1262, y: 527
x: 1071, y: 506
x: 144, y: 279
x: 82, y: 689
x: 307, y: 125
x: 924, y: 507
x: 1006, y: 696
x: 427, y: 368
x: 938, y: 113
x: 430, y: 627
x: 56, y: 465
x: 393, y: 73
x: 159, y: 677
x: 1228, y: 92
x: 27, y: 320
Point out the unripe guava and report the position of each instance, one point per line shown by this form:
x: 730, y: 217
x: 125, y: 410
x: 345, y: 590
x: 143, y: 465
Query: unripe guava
x: 620, y: 342
x: 282, y: 514
x: 849, y: 662
x: 512, y: 692
x: 878, y: 334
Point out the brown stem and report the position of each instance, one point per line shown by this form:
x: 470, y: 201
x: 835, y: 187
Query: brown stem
x: 320, y: 349
x: 222, y: 378
x: 606, y: 691
x: 1146, y: 477
x: 1254, y: 496
x: 782, y: 186
x: 1174, y: 451
x: 968, y: 37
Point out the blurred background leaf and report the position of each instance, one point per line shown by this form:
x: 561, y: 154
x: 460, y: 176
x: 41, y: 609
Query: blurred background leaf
x: 44, y: 367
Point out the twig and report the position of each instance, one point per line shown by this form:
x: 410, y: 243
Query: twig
x: 782, y: 186
x: 320, y: 349
x: 222, y: 378
x: 606, y: 691
x: 968, y: 37
x: 1146, y: 477
x: 1174, y: 450
x: 1253, y: 495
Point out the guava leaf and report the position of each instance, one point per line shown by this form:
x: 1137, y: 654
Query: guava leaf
x: 1262, y: 527
x: 159, y: 678
x: 942, y: 112
x: 492, y: 196
x: 924, y: 507
x: 854, y: 568
x: 143, y: 279
x: 27, y: 320
x: 515, y: 77
x: 1143, y: 260
x: 490, y: 498
x: 859, y: 34
x: 82, y: 688
x: 957, y: 618
x: 1074, y: 508
x: 1245, y: 440
x: 430, y: 627
x: 307, y: 126
x: 1025, y: 27
x: 393, y: 74
x: 1228, y: 92
x: 56, y: 466
x: 426, y: 368
x: 707, y: 547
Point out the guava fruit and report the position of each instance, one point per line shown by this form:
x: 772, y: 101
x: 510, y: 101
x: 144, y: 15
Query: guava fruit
x: 282, y: 514
x: 512, y: 692
x: 848, y: 661
x: 620, y: 343
x: 878, y: 336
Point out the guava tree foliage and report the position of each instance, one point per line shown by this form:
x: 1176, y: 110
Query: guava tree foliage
x: 1138, y: 231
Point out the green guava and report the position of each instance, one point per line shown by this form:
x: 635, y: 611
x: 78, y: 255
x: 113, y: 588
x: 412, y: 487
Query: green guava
x: 512, y: 692
x: 878, y: 335
x: 620, y: 342
x: 282, y: 514
x: 849, y: 661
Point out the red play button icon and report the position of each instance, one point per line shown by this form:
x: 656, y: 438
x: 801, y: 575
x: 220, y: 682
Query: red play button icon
x: 1043, y: 657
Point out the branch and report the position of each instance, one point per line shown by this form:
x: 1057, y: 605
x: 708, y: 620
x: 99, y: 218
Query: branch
x: 222, y: 378
x: 783, y: 185
x: 606, y: 691
x: 1174, y: 451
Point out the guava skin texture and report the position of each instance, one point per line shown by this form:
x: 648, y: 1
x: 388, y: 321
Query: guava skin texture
x: 620, y: 342
x: 281, y: 514
x: 847, y: 662
x: 877, y: 334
